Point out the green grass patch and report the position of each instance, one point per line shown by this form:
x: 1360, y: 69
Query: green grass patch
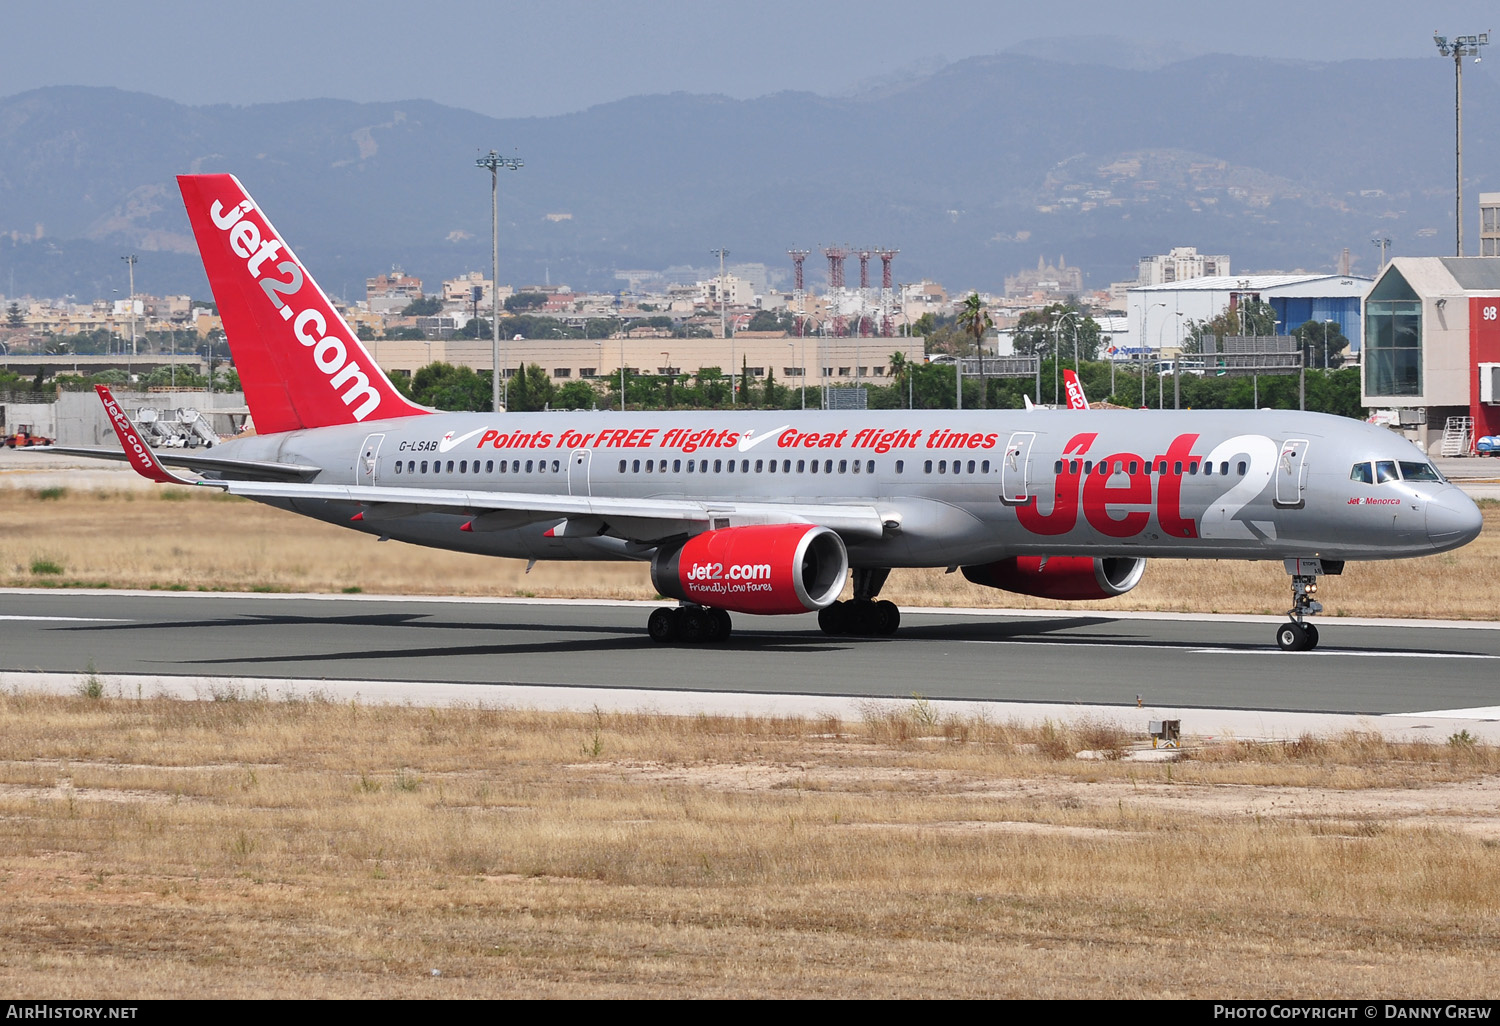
x: 51, y: 494
x: 45, y: 566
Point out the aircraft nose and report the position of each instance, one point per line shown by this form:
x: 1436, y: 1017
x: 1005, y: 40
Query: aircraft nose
x: 1452, y: 519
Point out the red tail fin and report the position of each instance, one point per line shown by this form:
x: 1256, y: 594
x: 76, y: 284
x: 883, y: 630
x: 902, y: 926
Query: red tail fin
x: 298, y: 362
x: 1074, y: 388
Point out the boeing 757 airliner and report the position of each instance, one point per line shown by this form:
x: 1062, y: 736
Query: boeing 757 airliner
x: 768, y: 512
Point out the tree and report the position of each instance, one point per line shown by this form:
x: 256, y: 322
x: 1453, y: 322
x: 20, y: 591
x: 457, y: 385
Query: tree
x: 446, y: 387
x: 530, y: 390
x: 772, y: 320
x: 524, y: 301
x: 1322, y: 344
x: 13, y: 316
x: 425, y: 306
x: 974, y: 320
x: 576, y: 395
x: 1051, y: 330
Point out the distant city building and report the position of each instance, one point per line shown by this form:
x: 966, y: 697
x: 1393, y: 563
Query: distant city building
x: 1489, y: 224
x: 1057, y: 282
x: 1180, y: 264
x: 1159, y: 315
x: 461, y: 289
x: 392, y: 290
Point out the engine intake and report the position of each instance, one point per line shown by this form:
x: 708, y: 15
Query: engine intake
x: 1060, y: 577
x: 772, y: 568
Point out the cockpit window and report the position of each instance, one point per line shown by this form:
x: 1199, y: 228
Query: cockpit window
x: 1385, y: 471
x: 1419, y: 472
x: 1362, y: 473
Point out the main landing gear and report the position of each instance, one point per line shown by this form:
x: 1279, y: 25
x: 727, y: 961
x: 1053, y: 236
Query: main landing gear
x: 1299, y: 635
x: 862, y: 614
x: 691, y: 624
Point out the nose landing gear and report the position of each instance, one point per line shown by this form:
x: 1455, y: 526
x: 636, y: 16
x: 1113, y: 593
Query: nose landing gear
x: 1299, y: 635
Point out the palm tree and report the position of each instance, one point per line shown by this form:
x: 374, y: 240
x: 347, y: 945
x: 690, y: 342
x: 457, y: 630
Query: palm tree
x: 974, y: 319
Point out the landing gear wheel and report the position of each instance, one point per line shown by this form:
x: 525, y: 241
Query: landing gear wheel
x: 697, y: 622
x: 724, y: 626
x: 1312, y: 635
x: 864, y: 618
x: 1292, y: 637
x: 834, y: 618
x: 662, y: 625
x: 889, y: 617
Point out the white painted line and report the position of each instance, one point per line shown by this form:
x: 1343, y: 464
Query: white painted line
x: 1483, y: 713
x: 975, y: 611
x: 76, y: 619
x: 1245, y: 724
x: 1344, y: 652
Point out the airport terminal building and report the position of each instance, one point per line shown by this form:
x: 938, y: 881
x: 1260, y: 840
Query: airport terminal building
x: 1432, y: 349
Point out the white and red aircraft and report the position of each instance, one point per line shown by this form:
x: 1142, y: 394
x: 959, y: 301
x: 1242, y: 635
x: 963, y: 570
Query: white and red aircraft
x: 767, y: 512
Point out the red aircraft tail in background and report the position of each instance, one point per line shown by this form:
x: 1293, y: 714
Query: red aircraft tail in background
x: 1074, y: 389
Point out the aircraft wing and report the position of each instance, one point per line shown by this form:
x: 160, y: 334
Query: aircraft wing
x: 252, y: 470
x: 634, y: 519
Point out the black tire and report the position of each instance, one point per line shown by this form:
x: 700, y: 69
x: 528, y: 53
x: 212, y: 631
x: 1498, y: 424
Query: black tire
x: 696, y: 624
x: 1291, y: 637
x: 890, y: 617
x: 1312, y: 635
x: 662, y: 625
x: 724, y: 624
x: 834, y: 618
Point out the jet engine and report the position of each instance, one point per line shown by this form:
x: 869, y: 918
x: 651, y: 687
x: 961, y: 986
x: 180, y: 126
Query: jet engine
x: 1060, y: 577
x: 771, y: 568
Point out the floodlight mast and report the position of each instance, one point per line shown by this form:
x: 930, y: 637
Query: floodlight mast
x: 1458, y: 48
x: 495, y: 162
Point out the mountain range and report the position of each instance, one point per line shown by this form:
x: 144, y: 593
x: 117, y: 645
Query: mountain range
x: 974, y: 170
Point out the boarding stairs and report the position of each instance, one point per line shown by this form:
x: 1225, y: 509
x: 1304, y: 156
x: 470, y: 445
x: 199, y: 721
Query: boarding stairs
x: 1458, y: 436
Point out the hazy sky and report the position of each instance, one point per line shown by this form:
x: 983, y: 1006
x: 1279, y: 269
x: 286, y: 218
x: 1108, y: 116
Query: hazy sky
x: 513, y: 59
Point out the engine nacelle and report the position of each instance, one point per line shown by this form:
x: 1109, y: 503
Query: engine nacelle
x: 771, y: 568
x: 1060, y: 577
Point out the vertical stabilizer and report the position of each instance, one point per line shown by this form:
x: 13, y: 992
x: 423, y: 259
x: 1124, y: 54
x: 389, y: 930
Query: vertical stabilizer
x: 299, y: 364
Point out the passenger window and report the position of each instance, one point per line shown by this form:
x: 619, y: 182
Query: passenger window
x: 718, y: 466
x: 856, y: 466
x: 744, y: 466
x: 942, y: 466
x: 984, y: 468
x: 843, y: 466
x: 398, y: 466
x: 801, y: 466
x: 450, y: 466
x: 786, y: 466
x: 1057, y: 467
x: 1193, y: 467
x: 771, y: 466
x: 424, y: 466
x: 1361, y: 472
x: 1088, y: 466
x: 690, y: 466
x: 1419, y: 472
x: 900, y: 466
x: 635, y: 468
x: 489, y: 466
x: 971, y: 466
x: 1134, y: 466
x: 1243, y: 466
x: 676, y: 466
x: 463, y: 467
x: 1208, y: 469
x: 731, y: 466
x: 1224, y: 468
x: 828, y: 466
x: 556, y: 466
x: 927, y: 467
x: 1385, y: 471
x: 1177, y: 468
x: 812, y: 466
x: 648, y: 466
x: 530, y: 462
x: 869, y: 466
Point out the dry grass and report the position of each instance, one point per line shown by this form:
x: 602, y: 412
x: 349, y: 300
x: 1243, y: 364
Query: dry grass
x: 172, y: 538
x: 240, y: 847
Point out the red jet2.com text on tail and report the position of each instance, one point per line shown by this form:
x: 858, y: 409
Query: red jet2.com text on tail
x: 299, y: 364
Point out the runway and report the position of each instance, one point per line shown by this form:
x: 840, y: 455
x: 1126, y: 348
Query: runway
x: 1166, y: 661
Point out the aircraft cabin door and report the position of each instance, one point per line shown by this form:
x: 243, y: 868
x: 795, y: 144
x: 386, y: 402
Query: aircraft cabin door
x: 1291, y: 474
x: 367, y: 467
x: 1015, y: 469
x: 578, y: 471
